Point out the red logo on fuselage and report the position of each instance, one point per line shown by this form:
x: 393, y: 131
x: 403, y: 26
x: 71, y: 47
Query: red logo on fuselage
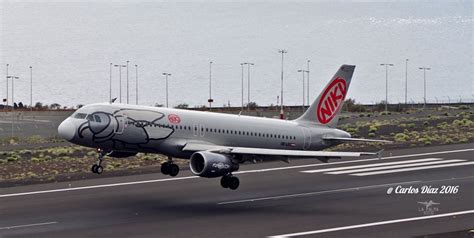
x: 331, y: 100
x: 173, y: 118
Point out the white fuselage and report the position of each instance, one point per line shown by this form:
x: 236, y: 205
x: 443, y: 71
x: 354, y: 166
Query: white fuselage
x: 130, y: 128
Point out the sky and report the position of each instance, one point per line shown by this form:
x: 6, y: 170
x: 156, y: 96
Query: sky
x: 70, y: 45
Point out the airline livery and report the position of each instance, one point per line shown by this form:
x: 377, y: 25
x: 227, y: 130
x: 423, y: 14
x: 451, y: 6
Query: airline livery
x: 214, y: 143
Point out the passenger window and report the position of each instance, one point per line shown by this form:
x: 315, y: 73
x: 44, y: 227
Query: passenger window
x: 97, y: 118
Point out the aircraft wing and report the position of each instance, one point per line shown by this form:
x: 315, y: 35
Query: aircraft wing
x: 274, y: 152
x: 355, y: 139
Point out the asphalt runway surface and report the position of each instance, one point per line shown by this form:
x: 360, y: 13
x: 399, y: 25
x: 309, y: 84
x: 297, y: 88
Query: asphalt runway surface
x: 344, y: 198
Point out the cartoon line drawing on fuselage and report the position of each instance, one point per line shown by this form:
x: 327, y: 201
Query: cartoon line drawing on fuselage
x: 119, y: 127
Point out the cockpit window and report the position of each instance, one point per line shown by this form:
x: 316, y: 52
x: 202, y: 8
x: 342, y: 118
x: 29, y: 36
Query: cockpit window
x: 97, y: 118
x: 90, y: 118
x: 80, y: 115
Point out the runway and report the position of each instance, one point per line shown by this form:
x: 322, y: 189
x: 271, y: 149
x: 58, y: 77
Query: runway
x: 363, y: 197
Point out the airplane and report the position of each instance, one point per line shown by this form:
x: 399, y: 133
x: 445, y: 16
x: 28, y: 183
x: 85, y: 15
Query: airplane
x: 214, y: 143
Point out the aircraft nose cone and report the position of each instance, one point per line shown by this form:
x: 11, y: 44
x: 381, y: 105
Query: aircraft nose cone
x: 67, y: 130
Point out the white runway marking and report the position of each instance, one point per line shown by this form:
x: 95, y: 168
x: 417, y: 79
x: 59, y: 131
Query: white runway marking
x: 373, y: 224
x: 28, y: 225
x: 314, y: 193
x: 368, y: 165
x: 95, y: 186
x: 413, y: 169
x: 353, y: 161
x: 241, y: 172
x: 395, y: 166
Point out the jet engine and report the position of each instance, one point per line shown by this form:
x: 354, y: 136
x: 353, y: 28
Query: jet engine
x: 121, y: 154
x: 211, y: 165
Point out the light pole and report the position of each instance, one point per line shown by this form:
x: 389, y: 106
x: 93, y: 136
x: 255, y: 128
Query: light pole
x: 302, y: 71
x: 136, y: 84
x: 127, y: 82
x: 120, y: 66
x: 6, y: 102
x: 13, y: 100
x: 242, y: 81
x: 282, y: 114
x: 307, y: 88
x: 424, y: 84
x: 406, y: 81
x: 110, y: 83
x: 386, y: 84
x: 210, y: 100
x: 248, y: 86
x: 31, y: 87
x: 166, y: 76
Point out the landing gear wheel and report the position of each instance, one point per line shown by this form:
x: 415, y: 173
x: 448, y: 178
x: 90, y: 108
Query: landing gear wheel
x: 94, y: 168
x: 234, y: 183
x: 173, y: 170
x: 225, y: 181
x: 165, y: 168
x: 99, y: 169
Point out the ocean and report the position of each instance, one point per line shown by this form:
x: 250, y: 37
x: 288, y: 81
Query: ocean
x: 70, y: 45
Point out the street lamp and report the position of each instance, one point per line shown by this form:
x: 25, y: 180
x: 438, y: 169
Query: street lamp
x: 120, y: 66
x: 6, y: 102
x: 136, y: 84
x: 302, y: 71
x: 282, y: 115
x: 386, y: 84
x: 248, y: 85
x: 406, y: 81
x: 31, y: 87
x: 166, y: 76
x: 110, y: 83
x: 307, y: 88
x: 242, y: 66
x: 424, y: 84
x: 127, y: 81
x: 13, y: 100
x: 210, y: 100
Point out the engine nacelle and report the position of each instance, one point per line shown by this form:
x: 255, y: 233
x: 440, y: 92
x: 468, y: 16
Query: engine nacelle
x: 211, y: 165
x: 121, y: 154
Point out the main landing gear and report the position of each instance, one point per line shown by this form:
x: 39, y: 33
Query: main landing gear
x: 169, y: 168
x: 97, y: 167
x: 229, y: 181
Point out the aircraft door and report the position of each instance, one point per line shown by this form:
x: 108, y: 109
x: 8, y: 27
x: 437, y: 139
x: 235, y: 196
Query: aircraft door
x: 201, y: 130
x: 195, y: 130
x: 307, y: 138
x: 120, y: 123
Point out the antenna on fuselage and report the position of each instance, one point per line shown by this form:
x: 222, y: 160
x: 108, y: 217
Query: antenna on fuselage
x: 113, y: 100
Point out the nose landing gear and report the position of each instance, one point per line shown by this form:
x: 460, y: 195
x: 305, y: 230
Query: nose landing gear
x: 97, y: 167
x: 169, y: 168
